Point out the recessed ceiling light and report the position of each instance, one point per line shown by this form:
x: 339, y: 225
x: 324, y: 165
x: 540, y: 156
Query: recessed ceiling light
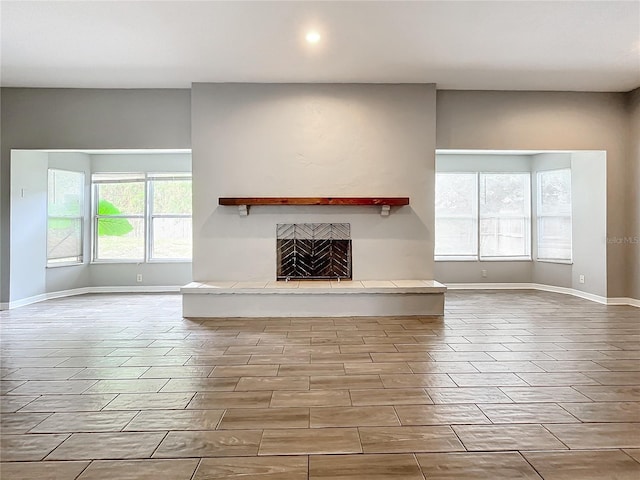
x: 313, y: 37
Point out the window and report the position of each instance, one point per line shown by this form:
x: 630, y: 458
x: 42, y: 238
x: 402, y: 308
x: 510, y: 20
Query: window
x: 484, y: 216
x: 142, y: 217
x: 505, y: 216
x: 119, y: 227
x: 554, y: 215
x: 170, y: 212
x: 65, y: 212
x: 456, y: 216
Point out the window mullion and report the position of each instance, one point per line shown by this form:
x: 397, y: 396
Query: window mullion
x: 170, y: 215
x: 94, y: 222
x: 478, y: 215
x: 148, y: 230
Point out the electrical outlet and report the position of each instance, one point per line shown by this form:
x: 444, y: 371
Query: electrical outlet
x: 581, y: 278
x: 484, y: 273
x: 139, y: 278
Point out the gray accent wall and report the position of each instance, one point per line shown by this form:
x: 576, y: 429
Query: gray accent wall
x: 633, y: 194
x: 316, y: 139
x: 499, y: 120
x: 84, y: 119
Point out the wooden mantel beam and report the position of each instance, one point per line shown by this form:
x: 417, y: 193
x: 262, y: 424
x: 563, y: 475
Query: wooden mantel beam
x: 392, y: 201
x: 384, y: 202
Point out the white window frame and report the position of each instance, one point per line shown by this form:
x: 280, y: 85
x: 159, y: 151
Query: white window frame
x: 527, y: 222
x: 79, y: 260
x: 462, y: 257
x: 151, y: 215
x: 95, y: 217
x: 481, y: 258
x: 540, y: 216
x: 147, y: 216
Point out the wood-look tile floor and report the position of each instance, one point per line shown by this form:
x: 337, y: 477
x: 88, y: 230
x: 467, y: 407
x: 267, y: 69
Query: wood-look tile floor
x: 508, y: 385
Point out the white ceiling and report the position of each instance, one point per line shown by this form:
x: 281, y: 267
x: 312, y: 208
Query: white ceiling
x: 507, y: 45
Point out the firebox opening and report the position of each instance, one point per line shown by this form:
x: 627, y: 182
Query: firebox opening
x: 313, y: 251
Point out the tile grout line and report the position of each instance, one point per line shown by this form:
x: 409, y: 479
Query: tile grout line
x: 458, y: 436
x: 530, y: 464
x: 83, y: 470
x: 159, y: 443
x: 192, y: 477
x: 555, y: 436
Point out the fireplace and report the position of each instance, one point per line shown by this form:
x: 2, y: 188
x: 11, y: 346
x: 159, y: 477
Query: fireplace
x: 313, y: 251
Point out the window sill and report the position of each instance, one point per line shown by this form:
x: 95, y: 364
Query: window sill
x: 455, y: 259
x: 112, y: 262
x: 507, y: 259
x: 168, y: 260
x: 561, y: 262
x: 492, y: 259
x: 70, y: 264
x: 138, y: 262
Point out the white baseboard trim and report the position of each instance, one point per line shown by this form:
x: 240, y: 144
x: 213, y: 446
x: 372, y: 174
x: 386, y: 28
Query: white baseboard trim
x: 572, y: 291
x: 84, y: 290
x: 634, y: 302
x: 63, y: 293
x: 137, y: 289
x: 28, y: 301
x: 545, y: 288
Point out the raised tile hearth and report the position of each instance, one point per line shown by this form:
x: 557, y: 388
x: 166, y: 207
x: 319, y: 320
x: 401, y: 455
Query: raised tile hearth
x: 347, y: 298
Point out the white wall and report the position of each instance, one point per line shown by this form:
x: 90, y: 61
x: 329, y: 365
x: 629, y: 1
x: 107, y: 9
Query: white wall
x: 312, y: 140
x: 28, y: 223
x: 482, y: 162
x: 589, y: 198
x: 471, y: 271
x: 550, y: 121
x: 141, y: 162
